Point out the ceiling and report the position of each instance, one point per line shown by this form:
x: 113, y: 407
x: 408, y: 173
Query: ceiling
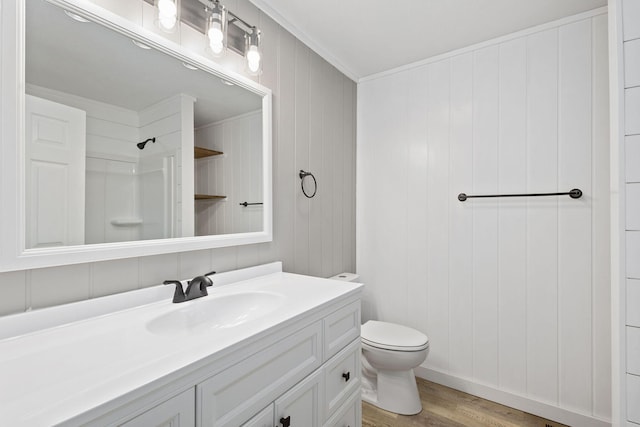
x: 362, y: 38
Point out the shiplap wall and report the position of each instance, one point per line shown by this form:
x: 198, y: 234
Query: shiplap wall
x: 235, y: 174
x: 513, y: 293
x: 627, y: 178
x: 313, y: 129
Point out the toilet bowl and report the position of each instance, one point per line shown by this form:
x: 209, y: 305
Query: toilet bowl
x: 389, y: 354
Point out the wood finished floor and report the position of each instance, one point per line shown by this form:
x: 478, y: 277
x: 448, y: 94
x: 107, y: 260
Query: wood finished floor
x: 446, y: 407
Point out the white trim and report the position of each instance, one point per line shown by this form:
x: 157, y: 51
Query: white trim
x: 305, y: 38
x: 618, y: 213
x: 502, y: 39
x: 512, y: 400
x: 13, y: 255
x: 229, y: 119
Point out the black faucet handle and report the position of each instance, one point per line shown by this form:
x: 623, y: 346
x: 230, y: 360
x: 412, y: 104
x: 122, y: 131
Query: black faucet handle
x: 205, y: 282
x: 178, y: 295
x: 211, y: 273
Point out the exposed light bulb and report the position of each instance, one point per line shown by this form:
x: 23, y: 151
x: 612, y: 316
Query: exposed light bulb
x: 167, y: 14
x: 167, y: 8
x: 216, y: 48
x: 216, y: 37
x: 252, y: 52
x: 167, y: 22
x: 217, y: 29
x: 253, y: 59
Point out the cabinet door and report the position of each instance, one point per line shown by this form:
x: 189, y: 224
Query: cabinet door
x: 342, y: 377
x: 301, y: 406
x: 179, y: 411
x: 340, y: 328
x: 231, y: 397
x: 349, y: 414
x: 263, y: 419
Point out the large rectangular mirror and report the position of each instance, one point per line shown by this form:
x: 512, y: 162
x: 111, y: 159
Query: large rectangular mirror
x: 128, y: 144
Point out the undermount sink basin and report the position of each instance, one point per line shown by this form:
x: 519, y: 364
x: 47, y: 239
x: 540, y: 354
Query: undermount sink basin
x: 216, y: 312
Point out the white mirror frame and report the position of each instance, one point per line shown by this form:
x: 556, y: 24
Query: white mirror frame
x: 13, y: 255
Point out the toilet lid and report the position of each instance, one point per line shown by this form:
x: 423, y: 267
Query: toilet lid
x: 390, y: 336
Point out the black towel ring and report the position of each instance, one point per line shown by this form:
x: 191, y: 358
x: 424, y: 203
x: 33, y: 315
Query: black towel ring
x: 302, y: 176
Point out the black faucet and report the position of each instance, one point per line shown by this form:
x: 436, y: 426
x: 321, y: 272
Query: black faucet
x: 196, y: 288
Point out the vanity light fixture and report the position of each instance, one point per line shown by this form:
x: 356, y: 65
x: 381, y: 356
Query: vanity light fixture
x: 223, y: 30
x: 168, y: 11
x: 252, y: 52
x: 216, y: 28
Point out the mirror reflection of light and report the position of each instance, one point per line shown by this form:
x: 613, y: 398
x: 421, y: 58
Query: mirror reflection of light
x: 167, y: 14
x: 216, y: 37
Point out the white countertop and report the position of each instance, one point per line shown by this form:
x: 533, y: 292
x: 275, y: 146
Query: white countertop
x: 51, y: 375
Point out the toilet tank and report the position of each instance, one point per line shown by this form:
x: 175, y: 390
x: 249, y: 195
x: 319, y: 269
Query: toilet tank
x: 347, y: 277
x: 365, y: 311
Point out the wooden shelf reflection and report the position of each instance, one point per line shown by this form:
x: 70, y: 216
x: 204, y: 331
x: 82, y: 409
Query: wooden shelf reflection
x: 209, y: 197
x: 200, y: 152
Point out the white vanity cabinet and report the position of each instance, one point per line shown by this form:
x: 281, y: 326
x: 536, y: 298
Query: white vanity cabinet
x: 179, y: 411
x: 231, y: 397
x: 307, y: 376
x: 263, y: 419
x: 300, y: 406
x: 138, y: 360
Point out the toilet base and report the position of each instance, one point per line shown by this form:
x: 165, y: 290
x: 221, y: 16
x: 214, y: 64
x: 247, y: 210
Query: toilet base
x: 393, y: 391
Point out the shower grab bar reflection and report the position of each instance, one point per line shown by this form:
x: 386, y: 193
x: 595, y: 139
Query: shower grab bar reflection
x: 576, y: 193
x: 245, y: 204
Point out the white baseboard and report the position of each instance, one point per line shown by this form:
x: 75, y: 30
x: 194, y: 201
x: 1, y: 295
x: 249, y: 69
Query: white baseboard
x: 522, y: 403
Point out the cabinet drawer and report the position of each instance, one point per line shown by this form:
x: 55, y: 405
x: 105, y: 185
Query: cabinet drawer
x: 263, y: 419
x: 300, y: 406
x: 179, y: 411
x: 342, y: 377
x: 349, y: 414
x: 234, y: 395
x: 340, y: 328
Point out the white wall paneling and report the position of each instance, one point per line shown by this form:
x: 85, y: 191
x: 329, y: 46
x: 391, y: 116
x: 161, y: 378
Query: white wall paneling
x: 625, y: 54
x: 632, y: 158
x: 513, y: 293
x: 633, y: 302
x: 633, y: 206
x: 633, y: 350
x: 460, y: 309
x: 633, y: 397
x: 600, y: 234
x: 313, y: 129
x: 236, y: 174
x: 632, y: 111
x: 512, y: 237
x: 632, y: 63
x: 633, y: 254
x: 631, y: 19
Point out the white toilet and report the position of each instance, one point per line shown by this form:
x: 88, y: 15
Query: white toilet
x: 389, y: 354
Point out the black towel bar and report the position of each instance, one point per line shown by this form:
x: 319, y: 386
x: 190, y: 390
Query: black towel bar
x: 574, y: 194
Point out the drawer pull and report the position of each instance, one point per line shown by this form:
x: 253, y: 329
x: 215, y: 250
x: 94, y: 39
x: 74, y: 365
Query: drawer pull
x: 286, y: 422
x: 346, y: 376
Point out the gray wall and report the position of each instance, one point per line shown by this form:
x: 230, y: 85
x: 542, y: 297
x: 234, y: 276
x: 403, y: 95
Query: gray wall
x: 313, y: 129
